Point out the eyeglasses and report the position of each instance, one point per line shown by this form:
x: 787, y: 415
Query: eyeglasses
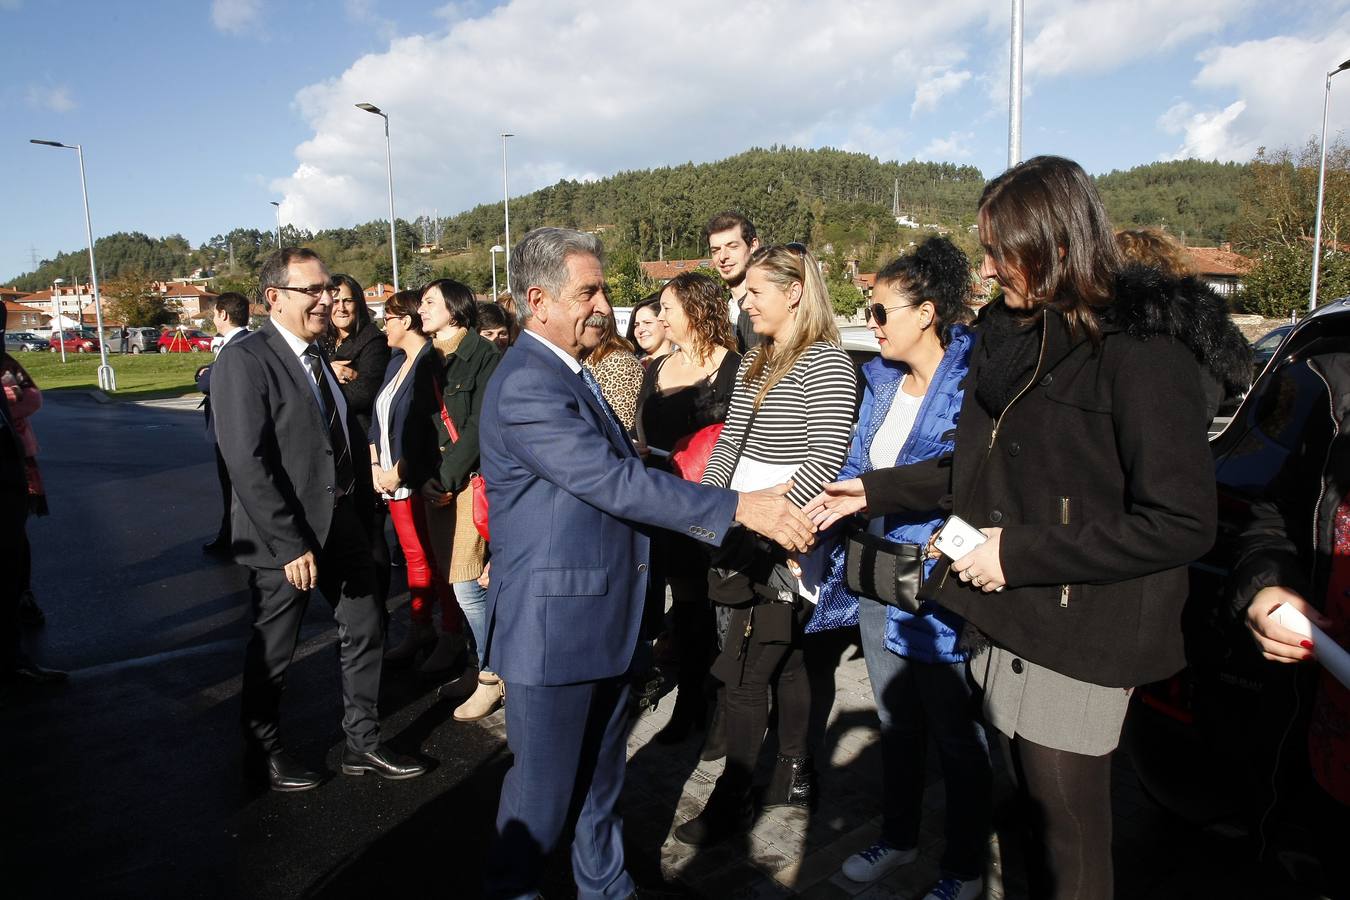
x: 314, y: 290
x: 878, y: 312
x: 796, y: 247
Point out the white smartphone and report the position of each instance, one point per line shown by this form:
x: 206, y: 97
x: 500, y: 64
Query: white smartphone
x: 957, y: 537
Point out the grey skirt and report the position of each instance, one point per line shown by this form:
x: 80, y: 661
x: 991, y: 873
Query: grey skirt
x: 1022, y: 699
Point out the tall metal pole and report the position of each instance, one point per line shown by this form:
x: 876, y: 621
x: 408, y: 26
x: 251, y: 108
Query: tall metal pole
x: 1015, y: 88
x: 56, y: 310
x: 106, y: 379
x: 389, y: 174
x: 1321, y: 189
x: 506, y: 207
x: 494, y: 250
x: 389, y: 171
x: 278, y: 206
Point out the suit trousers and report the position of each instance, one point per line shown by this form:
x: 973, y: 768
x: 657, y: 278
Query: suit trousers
x: 347, y: 581
x: 226, y: 496
x: 569, y: 743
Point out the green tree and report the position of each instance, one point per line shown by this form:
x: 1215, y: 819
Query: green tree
x: 133, y: 300
x: 844, y: 296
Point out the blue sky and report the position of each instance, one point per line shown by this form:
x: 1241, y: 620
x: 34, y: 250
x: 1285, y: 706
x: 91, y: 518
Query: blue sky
x: 194, y: 115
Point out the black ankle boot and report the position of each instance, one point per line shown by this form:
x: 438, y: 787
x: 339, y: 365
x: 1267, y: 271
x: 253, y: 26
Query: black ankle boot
x: 793, y: 783
x: 728, y: 812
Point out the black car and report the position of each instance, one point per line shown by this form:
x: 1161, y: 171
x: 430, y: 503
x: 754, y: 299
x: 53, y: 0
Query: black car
x: 1265, y: 347
x: 25, y: 341
x: 1225, y: 741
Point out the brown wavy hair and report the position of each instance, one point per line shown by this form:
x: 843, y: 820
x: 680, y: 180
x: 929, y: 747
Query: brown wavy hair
x: 704, y: 302
x: 612, y: 342
x: 1156, y: 249
x: 1044, y: 220
x: 405, y: 303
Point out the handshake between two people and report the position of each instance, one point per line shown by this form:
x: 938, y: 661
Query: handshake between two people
x: 770, y: 513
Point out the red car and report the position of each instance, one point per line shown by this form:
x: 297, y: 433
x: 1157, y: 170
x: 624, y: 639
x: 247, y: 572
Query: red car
x: 74, y: 341
x: 184, y: 342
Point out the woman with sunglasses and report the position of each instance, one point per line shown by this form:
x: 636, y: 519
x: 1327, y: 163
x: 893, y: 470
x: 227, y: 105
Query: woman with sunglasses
x: 359, y: 354
x: 911, y: 399
x: 790, y: 417
x: 1082, y: 457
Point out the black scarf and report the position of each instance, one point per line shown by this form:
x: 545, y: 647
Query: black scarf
x: 1009, y: 346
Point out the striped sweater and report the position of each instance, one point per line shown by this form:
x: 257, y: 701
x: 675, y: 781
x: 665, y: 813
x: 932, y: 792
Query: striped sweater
x: 805, y: 420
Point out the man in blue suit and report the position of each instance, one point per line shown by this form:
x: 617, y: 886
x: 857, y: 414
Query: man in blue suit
x: 573, y: 507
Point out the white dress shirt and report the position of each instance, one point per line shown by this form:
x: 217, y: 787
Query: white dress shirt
x: 558, y: 351
x: 298, y: 346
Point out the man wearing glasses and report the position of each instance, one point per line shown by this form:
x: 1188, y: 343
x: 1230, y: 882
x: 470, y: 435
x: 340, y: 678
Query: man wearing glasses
x: 299, y: 501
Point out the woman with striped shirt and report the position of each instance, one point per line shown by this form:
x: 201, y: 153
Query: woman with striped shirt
x: 790, y: 419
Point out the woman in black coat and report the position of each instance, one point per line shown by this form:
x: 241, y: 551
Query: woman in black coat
x: 1081, y: 454
x: 359, y: 355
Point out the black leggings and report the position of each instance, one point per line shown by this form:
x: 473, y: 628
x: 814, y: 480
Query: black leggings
x: 747, y: 703
x: 1067, y: 802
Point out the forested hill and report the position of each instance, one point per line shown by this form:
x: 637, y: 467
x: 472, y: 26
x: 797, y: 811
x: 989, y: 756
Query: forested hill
x: 839, y: 202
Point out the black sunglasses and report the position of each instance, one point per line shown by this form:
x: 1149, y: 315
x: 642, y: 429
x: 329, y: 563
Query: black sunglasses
x: 878, y: 312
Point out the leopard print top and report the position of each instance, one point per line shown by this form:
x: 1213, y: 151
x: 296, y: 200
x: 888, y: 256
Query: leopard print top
x: 620, y: 376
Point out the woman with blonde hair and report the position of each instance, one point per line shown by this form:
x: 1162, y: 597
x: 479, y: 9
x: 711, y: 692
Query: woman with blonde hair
x: 790, y: 419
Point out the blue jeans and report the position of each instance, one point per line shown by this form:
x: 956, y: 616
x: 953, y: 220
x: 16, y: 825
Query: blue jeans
x: 913, y: 699
x: 472, y: 600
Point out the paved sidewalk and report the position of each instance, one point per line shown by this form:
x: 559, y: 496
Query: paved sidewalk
x: 792, y: 853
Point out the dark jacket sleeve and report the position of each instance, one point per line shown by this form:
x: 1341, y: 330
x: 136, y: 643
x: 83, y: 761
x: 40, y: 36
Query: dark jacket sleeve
x: 460, y: 458
x: 917, y: 486
x: 244, y: 433
x: 1172, y: 512
x: 204, y: 379
x: 370, y: 363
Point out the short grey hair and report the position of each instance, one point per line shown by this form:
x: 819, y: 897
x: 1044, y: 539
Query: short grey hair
x: 540, y: 260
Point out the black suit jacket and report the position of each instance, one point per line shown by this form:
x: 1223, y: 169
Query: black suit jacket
x: 274, y: 441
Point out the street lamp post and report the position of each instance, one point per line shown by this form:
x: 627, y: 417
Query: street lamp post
x: 506, y: 208
x: 1321, y: 188
x: 56, y: 316
x: 389, y: 171
x: 1015, y: 88
x: 494, y: 250
x: 106, y: 380
x: 278, y: 206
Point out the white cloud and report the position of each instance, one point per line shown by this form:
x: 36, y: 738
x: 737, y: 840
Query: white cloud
x: 584, y: 96
x: 955, y: 146
x: 937, y: 84
x: 235, y: 16
x: 1270, y: 95
x: 53, y: 98
x: 1100, y: 35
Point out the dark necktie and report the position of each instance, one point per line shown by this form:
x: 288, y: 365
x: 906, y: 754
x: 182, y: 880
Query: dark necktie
x: 594, y: 387
x: 342, y: 465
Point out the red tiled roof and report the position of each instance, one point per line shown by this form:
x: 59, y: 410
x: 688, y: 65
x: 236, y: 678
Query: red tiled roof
x: 666, y: 269
x: 1217, y: 261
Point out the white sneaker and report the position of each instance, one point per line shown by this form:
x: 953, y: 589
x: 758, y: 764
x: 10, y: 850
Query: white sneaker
x: 877, y: 860
x: 955, y: 889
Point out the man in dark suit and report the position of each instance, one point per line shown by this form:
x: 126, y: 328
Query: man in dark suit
x: 300, y: 498
x: 231, y: 319
x: 573, y: 507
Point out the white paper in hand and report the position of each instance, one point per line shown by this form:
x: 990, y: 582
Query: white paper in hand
x: 1326, y: 651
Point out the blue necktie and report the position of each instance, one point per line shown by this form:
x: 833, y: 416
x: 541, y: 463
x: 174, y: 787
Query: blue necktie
x: 594, y: 387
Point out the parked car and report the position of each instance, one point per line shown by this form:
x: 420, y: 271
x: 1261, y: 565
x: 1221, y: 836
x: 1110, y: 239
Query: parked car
x: 1225, y: 741
x: 141, y: 340
x: 82, y: 341
x: 184, y: 341
x: 1266, y: 345
x: 24, y: 340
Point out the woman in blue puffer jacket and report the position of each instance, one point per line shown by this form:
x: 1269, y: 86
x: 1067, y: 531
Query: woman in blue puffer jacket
x: 918, y: 671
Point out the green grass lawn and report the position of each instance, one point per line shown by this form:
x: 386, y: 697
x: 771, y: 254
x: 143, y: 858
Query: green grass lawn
x: 139, y: 377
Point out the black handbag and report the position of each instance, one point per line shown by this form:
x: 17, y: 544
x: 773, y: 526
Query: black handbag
x: 882, y: 570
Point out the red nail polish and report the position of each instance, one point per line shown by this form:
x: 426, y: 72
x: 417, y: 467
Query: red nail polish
x: 1307, y: 645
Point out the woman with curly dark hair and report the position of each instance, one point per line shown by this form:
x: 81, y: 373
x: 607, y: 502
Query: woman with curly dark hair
x: 684, y: 392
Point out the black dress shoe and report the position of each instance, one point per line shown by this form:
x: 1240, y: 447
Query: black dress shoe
x: 383, y: 762
x: 286, y: 775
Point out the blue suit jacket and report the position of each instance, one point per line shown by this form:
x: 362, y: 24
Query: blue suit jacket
x: 569, y: 500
